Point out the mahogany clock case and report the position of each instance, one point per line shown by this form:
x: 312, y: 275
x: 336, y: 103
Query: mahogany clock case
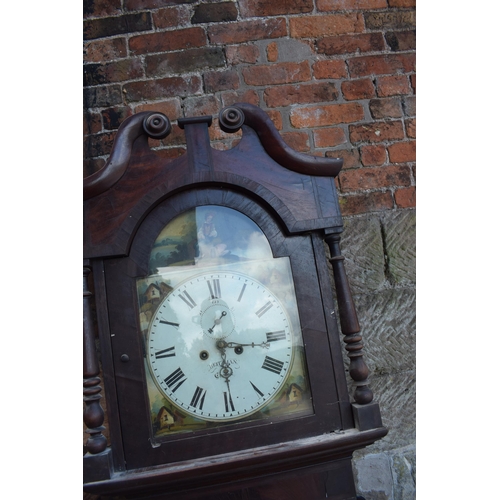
x: 293, y: 201
x: 321, y: 339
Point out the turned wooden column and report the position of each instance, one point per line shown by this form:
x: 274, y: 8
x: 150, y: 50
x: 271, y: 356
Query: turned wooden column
x: 93, y: 415
x: 349, y: 323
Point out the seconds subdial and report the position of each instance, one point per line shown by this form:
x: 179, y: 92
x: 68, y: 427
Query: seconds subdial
x: 216, y: 318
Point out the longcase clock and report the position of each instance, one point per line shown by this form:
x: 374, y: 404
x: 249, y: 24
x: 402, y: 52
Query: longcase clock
x: 219, y: 348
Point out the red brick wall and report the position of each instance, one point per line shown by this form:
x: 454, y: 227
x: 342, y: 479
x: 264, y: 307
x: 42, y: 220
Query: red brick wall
x: 337, y: 77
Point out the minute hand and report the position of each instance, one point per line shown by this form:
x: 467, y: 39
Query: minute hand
x: 253, y: 344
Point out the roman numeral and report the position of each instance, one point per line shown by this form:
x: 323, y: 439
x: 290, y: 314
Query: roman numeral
x: 228, y: 402
x: 264, y: 309
x: 274, y: 336
x: 273, y: 365
x: 198, y: 398
x: 165, y: 353
x: 165, y: 322
x: 188, y: 300
x: 175, y: 379
x: 214, y: 288
x: 256, y: 389
x: 241, y: 293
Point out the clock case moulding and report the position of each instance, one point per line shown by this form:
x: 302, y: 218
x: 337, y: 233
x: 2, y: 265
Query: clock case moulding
x: 293, y: 199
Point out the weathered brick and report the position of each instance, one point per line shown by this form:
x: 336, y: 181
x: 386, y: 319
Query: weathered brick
x: 373, y: 155
x: 167, y: 87
x: 330, y: 5
x: 125, y: 69
x: 413, y: 80
x: 176, y: 138
x: 214, y: 13
x: 402, y: 3
x: 167, y: 40
x: 411, y: 127
x: 300, y: 94
x: 405, y: 197
x: 100, y: 97
x: 366, y: 202
x: 374, y: 177
x: 402, y: 152
x: 324, y: 25
x: 265, y: 8
x: 185, y: 61
x: 99, y: 145
x: 350, y: 157
x: 393, y: 85
x: 201, y: 106
x: 276, y: 74
x: 358, y: 89
x: 276, y: 118
x: 91, y: 123
x: 171, y: 17
x: 152, y: 4
x: 272, y: 52
x: 345, y: 44
x: 298, y: 141
x: 221, y: 80
x: 99, y: 8
x: 118, y: 25
x: 383, y: 64
x: 93, y: 74
x: 329, y: 69
x: 250, y: 96
x: 291, y: 50
x: 401, y: 40
x: 410, y: 105
x: 389, y: 107
x: 170, y: 108
x: 376, y: 132
x: 112, y: 118
x: 246, y: 31
x: 391, y: 19
x: 216, y: 134
x: 104, y: 50
x: 331, y: 114
x: 329, y: 137
x: 154, y: 143
x: 236, y: 54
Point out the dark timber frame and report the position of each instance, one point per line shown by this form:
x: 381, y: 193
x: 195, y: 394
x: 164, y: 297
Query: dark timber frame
x: 293, y: 199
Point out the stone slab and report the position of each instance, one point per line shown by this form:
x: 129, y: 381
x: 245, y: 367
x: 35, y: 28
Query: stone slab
x: 388, y: 327
x: 363, y: 248
x: 386, y: 476
x: 399, y: 230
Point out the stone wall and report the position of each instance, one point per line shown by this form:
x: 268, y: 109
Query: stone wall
x: 380, y: 261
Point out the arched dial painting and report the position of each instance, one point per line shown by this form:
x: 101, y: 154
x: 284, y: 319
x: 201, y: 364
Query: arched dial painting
x: 220, y: 324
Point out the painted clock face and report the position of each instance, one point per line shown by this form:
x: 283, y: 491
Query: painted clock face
x: 220, y: 322
x: 220, y: 346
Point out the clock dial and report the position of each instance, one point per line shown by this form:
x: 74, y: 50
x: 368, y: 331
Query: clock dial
x: 220, y: 346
